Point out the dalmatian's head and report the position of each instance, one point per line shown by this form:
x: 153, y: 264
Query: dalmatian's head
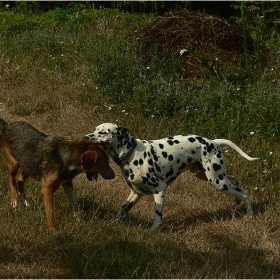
x: 109, y: 135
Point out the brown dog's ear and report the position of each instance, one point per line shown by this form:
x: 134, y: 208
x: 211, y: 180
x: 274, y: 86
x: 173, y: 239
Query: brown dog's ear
x: 89, y: 158
x: 91, y: 175
x: 94, y: 163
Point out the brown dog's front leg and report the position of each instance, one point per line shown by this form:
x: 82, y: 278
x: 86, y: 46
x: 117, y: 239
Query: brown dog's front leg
x: 20, y: 184
x: 47, y: 193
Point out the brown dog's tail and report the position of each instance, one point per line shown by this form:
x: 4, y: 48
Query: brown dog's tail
x: 2, y: 125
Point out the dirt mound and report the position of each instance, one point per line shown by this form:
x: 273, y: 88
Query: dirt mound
x: 201, y: 41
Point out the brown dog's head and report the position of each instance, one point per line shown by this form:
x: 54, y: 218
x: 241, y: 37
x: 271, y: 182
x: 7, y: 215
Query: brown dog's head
x: 95, y: 162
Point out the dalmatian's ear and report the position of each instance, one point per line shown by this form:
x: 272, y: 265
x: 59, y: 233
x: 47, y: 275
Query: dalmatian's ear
x: 122, y: 130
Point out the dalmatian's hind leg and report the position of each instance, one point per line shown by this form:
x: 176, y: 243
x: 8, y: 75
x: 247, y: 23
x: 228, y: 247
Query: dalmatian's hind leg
x: 224, y: 184
x: 240, y: 195
x: 235, y: 182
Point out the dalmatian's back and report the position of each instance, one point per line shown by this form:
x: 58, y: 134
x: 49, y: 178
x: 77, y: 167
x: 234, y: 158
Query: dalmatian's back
x: 156, y: 163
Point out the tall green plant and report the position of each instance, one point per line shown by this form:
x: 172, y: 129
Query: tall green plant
x: 256, y: 19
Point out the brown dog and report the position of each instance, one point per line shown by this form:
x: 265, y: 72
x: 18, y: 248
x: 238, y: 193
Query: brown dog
x: 50, y: 160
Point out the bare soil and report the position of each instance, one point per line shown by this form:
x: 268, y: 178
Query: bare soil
x: 221, y: 39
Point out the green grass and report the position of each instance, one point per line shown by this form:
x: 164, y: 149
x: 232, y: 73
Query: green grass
x: 65, y: 76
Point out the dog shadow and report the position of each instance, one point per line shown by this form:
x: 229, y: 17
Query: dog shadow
x: 211, y: 216
x: 91, y: 209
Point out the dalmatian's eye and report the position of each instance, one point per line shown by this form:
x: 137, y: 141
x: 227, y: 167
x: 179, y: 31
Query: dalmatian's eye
x: 102, y: 132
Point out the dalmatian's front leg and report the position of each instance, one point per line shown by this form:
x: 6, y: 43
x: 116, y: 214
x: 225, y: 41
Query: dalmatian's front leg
x: 159, y: 200
x: 130, y: 202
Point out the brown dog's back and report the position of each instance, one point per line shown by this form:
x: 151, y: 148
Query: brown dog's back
x: 37, y: 153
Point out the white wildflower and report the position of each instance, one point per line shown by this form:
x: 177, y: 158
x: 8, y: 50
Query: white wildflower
x: 183, y: 51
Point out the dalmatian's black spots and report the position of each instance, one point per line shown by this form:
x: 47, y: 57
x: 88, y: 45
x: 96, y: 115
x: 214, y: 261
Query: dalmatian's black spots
x: 161, y: 146
x: 159, y: 213
x: 170, y: 142
x: 141, y: 162
x: 217, y: 181
x: 164, y: 154
x: 191, y: 139
x: 170, y: 157
x: 182, y: 166
x: 238, y: 190
x: 225, y: 188
x: 155, y: 158
x: 205, y: 153
x: 221, y: 177
x: 177, y: 142
x: 221, y: 162
x: 145, y: 155
x: 151, y: 170
x: 178, y: 160
x: 169, y: 173
x: 219, y: 154
x: 135, y: 162
x: 150, y: 184
x: 150, y: 161
x: 128, y: 206
x: 157, y: 167
x: 189, y: 160
x: 193, y: 152
x: 216, y: 167
x: 210, y: 148
x: 144, y: 180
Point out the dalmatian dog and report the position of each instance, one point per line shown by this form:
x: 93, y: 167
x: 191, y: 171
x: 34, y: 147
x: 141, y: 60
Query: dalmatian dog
x: 149, y: 166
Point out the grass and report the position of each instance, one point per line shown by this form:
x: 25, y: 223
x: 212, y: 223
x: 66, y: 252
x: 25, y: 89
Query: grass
x: 67, y: 79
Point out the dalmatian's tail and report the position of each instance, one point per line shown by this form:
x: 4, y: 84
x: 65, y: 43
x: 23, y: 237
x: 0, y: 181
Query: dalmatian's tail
x: 224, y: 142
